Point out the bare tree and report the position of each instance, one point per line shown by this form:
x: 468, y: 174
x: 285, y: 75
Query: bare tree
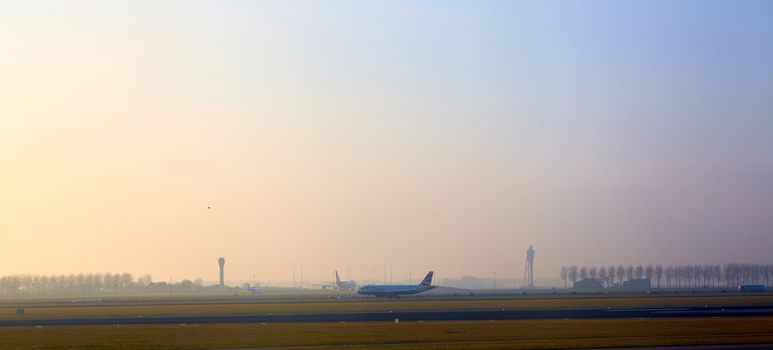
x: 689, y: 272
x: 649, y: 271
x: 564, y: 274
x: 697, y: 272
x: 629, y: 272
x: 603, y: 275
x: 708, y: 272
x: 126, y: 281
x: 676, y: 272
x: 145, y: 280
x: 670, y: 273
x: 732, y: 274
x: 620, y: 274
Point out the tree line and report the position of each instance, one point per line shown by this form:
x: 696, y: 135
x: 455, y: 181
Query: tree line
x: 88, y: 284
x: 681, y: 276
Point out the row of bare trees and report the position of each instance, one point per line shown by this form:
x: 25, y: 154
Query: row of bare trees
x: 682, y: 276
x: 92, y: 283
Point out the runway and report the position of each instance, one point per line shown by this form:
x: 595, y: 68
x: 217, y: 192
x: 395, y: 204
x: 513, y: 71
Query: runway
x: 458, y: 315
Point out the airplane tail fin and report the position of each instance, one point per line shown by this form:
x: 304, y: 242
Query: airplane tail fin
x: 427, y: 281
x: 337, y: 279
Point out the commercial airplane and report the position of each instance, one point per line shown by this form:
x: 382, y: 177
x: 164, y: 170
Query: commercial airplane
x: 346, y: 285
x: 254, y: 289
x: 392, y: 291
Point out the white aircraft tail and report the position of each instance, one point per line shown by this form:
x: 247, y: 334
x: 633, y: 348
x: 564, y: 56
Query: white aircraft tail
x: 338, y: 280
x: 427, y: 281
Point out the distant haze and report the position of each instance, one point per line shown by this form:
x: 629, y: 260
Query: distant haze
x: 423, y: 134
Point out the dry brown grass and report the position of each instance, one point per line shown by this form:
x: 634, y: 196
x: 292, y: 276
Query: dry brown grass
x: 430, y: 335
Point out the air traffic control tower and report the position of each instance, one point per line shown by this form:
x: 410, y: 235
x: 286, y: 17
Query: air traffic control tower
x: 528, y: 275
x: 221, y: 261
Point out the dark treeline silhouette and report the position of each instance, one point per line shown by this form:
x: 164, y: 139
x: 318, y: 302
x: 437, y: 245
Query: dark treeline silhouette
x: 91, y: 284
x: 683, y: 276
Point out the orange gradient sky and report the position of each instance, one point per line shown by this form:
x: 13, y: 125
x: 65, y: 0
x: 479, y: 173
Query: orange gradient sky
x: 358, y: 134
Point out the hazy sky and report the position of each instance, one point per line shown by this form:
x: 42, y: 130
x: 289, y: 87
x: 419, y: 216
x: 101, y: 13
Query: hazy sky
x: 332, y: 134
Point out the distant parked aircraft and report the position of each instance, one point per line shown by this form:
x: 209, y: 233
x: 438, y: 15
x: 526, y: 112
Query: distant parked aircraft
x: 392, y: 291
x: 347, y: 285
x: 254, y: 289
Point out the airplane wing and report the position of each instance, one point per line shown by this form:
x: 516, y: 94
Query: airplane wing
x: 324, y: 286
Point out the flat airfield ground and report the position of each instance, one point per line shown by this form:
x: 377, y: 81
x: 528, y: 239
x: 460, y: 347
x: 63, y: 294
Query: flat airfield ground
x: 533, y: 334
x: 501, y: 334
x: 154, y: 307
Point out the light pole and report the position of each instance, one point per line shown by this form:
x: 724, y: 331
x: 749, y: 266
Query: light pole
x: 293, y: 276
x: 301, y: 276
x: 221, y: 263
x: 170, y: 286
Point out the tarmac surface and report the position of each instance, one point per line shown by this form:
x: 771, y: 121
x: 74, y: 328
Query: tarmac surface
x: 457, y: 315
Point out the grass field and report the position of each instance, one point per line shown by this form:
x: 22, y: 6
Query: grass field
x: 140, y: 309
x: 430, y: 335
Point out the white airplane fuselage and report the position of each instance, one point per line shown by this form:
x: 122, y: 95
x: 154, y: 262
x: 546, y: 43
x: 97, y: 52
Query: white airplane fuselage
x: 346, y: 285
x: 390, y: 290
